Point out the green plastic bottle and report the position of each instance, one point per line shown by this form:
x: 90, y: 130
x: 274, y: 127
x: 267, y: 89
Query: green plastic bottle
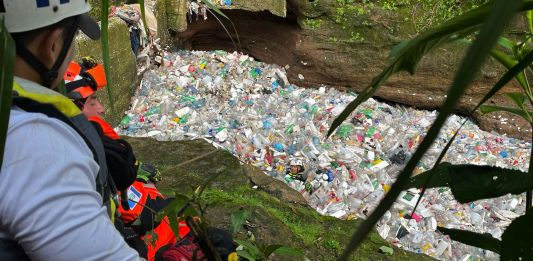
x: 125, y: 121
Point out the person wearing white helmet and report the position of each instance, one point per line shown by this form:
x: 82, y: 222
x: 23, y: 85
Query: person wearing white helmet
x: 57, y: 197
x: 296, y: 170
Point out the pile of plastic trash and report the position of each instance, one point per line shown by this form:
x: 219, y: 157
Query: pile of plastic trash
x: 250, y: 109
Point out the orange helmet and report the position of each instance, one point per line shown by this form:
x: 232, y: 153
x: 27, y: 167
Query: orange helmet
x: 83, y: 80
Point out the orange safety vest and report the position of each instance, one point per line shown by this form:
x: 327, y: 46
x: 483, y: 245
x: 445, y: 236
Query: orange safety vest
x: 138, y: 194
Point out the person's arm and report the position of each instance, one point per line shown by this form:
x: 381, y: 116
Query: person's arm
x: 49, y: 203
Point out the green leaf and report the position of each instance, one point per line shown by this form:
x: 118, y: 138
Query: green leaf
x: 509, y: 61
x: 7, y: 63
x: 484, y: 241
x: 517, y: 97
x: 517, y: 239
x: 251, y: 248
x: 105, y: 50
x: 270, y: 249
x: 288, y: 251
x: 500, y: 13
x: 386, y: 250
x: 473, y: 182
x: 492, y: 108
x: 508, y: 76
x: 238, y: 218
x: 245, y: 254
x: 505, y: 42
x: 217, y: 10
x: 143, y: 17
x: 179, y: 206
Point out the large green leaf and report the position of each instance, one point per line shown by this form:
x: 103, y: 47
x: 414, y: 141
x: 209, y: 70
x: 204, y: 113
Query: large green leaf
x: 288, y: 251
x: 270, y: 249
x: 473, y: 182
x: 508, y: 76
x: 251, y: 248
x: 238, y: 218
x: 505, y: 42
x: 509, y: 61
x: 500, y: 13
x: 105, y: 50
x: 407, y: 55
x: 493, y: 108
x: 7, y: 62
x: 245, y: 254
x: 179, y: 206
x: 484, y: 241
x: 517, y: 241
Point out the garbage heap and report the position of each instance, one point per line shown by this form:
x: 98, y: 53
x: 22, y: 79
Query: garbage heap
x: 250, y: 109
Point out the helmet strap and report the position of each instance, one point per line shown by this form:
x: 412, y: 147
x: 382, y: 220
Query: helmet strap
x: 48, y: 76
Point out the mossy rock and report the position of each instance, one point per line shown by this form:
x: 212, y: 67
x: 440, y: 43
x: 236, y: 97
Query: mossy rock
x: 123, y: 76
x: 276, y: 7
x: 278, y: 213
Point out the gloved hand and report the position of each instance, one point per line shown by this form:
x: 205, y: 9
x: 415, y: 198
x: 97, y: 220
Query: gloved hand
x: 147, y: 171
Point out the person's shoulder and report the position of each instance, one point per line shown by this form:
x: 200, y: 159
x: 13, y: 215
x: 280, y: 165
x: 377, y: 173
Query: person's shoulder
x: 37, y: 129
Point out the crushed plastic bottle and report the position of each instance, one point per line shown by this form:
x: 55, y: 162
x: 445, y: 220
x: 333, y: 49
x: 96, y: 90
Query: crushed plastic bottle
x: 252, y: 110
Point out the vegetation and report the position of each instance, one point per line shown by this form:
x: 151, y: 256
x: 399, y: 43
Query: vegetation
x: 485, y: 23
x: 467, y: 182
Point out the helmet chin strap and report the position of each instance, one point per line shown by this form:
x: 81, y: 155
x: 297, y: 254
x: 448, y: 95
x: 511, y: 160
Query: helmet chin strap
x: 48, y: 76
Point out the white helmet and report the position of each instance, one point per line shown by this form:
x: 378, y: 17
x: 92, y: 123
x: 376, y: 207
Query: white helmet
x: 27, y: 15
x: 297, y: 162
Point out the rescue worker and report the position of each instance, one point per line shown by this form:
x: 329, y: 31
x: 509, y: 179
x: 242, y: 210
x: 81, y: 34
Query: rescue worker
x: 296, y: 170
x: 57, y: 197
x: 82, y: 82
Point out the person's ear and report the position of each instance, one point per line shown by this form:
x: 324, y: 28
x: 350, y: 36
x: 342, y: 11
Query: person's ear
x: 50, y: 46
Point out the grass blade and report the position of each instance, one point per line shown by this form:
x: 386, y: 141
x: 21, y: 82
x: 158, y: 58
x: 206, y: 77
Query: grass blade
x: 213, y: 7
x: 105, y: 50
x: 7, y: 62
x: 217, y: 10
x: 225, y: 29
x: 500, y: 13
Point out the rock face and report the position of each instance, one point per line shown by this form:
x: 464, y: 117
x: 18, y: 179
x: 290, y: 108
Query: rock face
x: 279, y: 214
x: 346, y: 45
